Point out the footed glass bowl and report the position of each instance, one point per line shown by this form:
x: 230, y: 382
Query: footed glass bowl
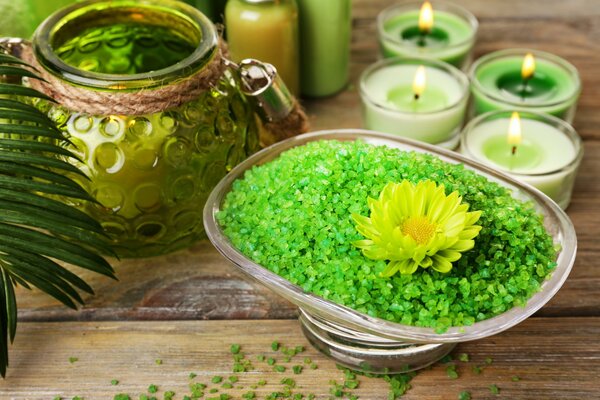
x: 365, y: 343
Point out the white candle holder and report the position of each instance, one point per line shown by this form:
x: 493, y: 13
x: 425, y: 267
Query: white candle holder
x: 557, y: 183
x: 440, y: 127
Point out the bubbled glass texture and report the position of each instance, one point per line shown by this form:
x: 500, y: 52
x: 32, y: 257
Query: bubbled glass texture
x: 152, y: 174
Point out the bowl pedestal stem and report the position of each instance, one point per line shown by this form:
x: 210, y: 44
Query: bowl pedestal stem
x: 366, y: 352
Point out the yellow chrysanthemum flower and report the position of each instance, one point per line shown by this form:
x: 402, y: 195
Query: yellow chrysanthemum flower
x: 417, y: 226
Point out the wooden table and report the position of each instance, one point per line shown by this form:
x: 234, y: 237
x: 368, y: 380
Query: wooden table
x: 187, y: 308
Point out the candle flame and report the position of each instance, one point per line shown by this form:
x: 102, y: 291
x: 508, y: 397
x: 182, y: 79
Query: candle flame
x: 419, y: 82
x: 426, y: 18
x: 514, y: 130
x: 528, y: 68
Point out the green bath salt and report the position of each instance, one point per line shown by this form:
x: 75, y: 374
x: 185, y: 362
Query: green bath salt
x: 293, y: 216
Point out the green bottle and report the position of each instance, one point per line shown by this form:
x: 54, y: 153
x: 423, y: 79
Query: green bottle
x: 325, y: 28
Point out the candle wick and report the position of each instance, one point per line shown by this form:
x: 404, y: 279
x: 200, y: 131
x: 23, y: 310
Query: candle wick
x: 525, y: 86
x: 511, y: 162
x: 422, y: 38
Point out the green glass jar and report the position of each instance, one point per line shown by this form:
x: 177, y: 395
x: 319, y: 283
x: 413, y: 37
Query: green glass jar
x: 151, y: 172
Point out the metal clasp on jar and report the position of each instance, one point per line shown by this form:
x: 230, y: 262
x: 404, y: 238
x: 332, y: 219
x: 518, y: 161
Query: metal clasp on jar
x: 262, y: 83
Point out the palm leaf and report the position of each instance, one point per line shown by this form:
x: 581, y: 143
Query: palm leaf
x: 8, y: 317
x: 20, y: 212
x: 35, y: 172
x: 24, y: 115
x: 39, y: 231
x: 34, y: 131
x: 36, y: 159
x: 17, y: 183
x: 51, y: 266
x: 18, y: 90
x: 16, y: 71
x: 12, y: 104
x: 11, y: 304
x: 51, y: 205
x: 7, y: 59
x: 35, y: 147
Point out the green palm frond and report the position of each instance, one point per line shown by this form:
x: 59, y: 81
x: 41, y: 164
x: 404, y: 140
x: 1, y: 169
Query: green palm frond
x: 38, y: 230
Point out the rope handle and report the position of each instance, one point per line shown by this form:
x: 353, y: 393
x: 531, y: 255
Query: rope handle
x: 279, y: 111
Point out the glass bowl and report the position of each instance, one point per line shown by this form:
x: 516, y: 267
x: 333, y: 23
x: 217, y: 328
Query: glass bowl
x: 365, y: 343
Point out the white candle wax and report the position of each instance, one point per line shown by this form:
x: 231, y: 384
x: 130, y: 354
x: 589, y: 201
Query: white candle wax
x: 389, y: 105
x: 547, y: 160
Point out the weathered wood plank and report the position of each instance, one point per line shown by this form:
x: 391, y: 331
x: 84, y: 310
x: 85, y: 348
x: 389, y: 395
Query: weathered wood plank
x: 196, y: 283
x: 557, y: 358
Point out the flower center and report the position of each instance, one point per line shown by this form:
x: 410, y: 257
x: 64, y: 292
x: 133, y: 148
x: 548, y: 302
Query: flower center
x: 418, y: 228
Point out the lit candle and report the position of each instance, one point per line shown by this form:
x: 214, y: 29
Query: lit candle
x: 266, y: 30
x: 418, y: 85
x: 416, y: 98
x: 525, y: 80
x: 444, y: 32
x: 537, y: 149
x: 514, y: 133
x: 425, y: 19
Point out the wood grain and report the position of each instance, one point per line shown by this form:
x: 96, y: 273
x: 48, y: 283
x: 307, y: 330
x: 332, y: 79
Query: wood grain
x: 197, y: 283
x: 550, y: 364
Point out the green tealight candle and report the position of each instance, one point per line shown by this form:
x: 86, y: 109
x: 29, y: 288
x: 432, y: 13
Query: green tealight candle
x: 403, y: 99
x: 498, y: 83
x: 525, y: 156
x: 535, y: 148
x: 445, y: 33
x: 417, y: 98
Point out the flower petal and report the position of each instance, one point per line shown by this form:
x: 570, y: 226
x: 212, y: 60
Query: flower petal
x: 390, y: 269
x: 407, y: 267
x: 361, y: 244
x: 426, y: 262
x: 419, y: 202
x: 455, y: 224
x: 450, y: 255
x: 440, y: 264
x: 470, y: 232
x: 463, y: 245
x: 472, y: 217
x: 444, y: 207
x: 367, y: 231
